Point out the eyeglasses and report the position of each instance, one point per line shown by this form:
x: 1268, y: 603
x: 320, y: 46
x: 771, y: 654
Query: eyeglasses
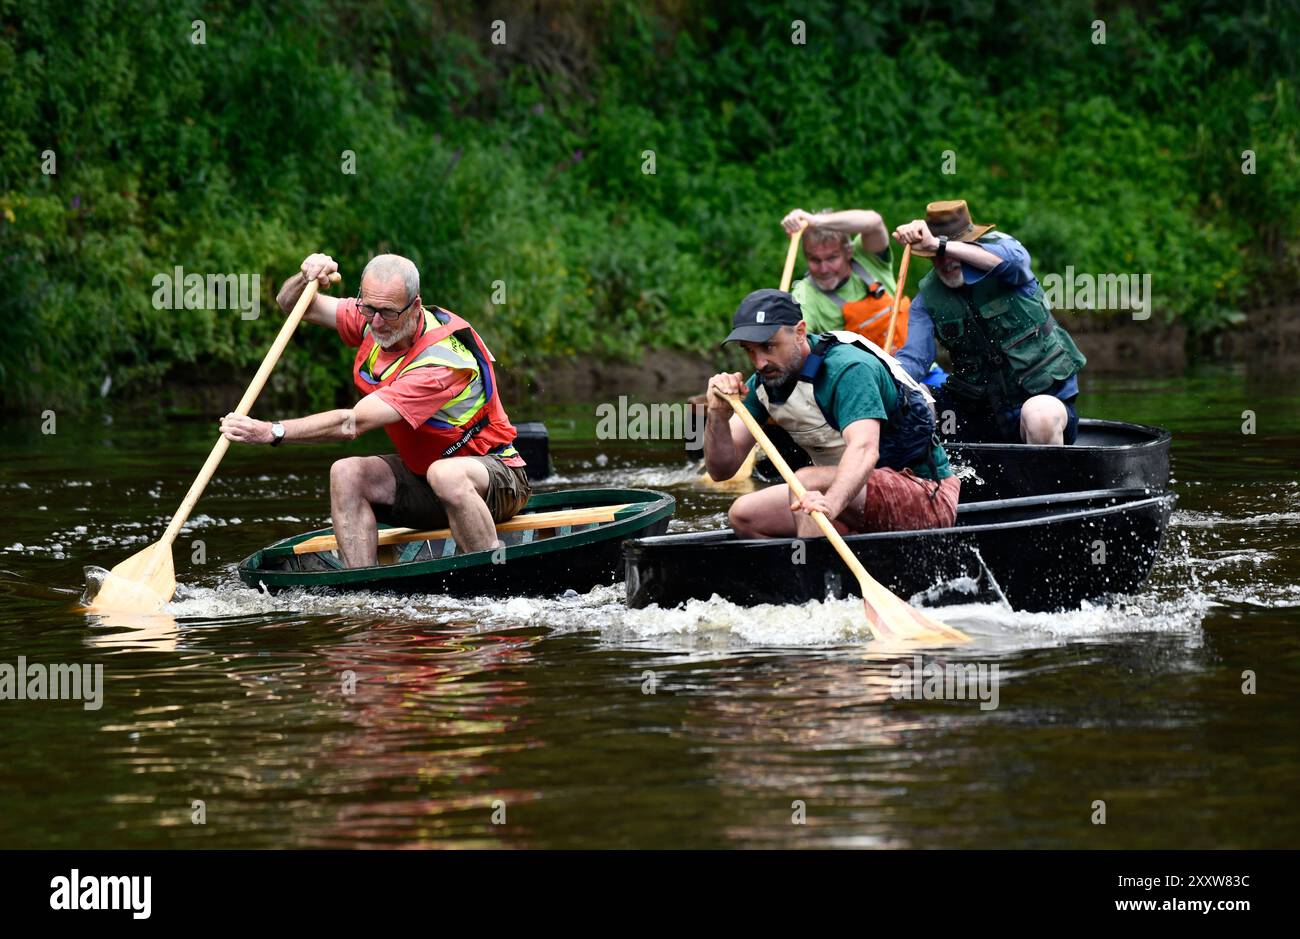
x: 369, y: 312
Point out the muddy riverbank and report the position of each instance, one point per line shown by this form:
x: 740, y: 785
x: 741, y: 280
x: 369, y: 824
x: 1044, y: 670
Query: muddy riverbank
x: 1269, y: 341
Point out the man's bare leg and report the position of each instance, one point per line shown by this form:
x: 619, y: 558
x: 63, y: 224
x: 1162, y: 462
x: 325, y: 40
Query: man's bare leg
x: 1043, y: 419
x: 461, y: 485
x: 356, y: 483
x: 766, y: 513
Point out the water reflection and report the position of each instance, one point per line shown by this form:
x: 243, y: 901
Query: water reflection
x: 427, y: 719
x: 814, y: 753
x: 141, y: 632
x: 237, y: 697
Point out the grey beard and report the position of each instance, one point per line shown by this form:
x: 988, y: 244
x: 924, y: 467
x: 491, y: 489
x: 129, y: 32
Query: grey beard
x: 958, y: 279
x: 779, y: 388
x: 397, y: 338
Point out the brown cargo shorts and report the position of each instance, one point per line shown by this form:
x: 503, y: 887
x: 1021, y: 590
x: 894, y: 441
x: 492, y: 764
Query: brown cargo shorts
x: 415, y: 505
x: 902, y: 501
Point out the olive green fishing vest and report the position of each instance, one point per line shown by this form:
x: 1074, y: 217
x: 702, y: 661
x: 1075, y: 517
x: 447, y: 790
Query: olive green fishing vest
x: 1005, y: 346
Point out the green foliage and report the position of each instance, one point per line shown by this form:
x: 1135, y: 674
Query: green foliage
x: 523, y: 163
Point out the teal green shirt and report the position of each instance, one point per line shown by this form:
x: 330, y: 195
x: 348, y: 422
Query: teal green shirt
x: 820, y: 312
x: 852, y: 385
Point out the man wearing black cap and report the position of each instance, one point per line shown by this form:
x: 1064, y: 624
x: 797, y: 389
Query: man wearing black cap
x: 867, y: 425
x: 1014, y: 368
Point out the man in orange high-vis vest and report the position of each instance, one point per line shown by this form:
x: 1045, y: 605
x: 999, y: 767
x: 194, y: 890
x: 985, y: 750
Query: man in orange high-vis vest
x: 426, y: 378
x: 850, y: 282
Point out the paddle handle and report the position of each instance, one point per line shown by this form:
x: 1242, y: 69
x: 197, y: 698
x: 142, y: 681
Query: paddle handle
x: 898, y: 296
x: 787, y: 274
x: 245, y: 405
x: 797, y: 488
x: 273, y: 354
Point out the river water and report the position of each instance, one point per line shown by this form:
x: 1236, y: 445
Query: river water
x: 526, y: 723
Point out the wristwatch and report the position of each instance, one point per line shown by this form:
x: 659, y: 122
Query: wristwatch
x: 943, y: 247
x: 277, y: 434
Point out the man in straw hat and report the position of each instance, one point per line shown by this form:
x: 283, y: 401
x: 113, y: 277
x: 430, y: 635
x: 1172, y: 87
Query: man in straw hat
x: 1014, y: 369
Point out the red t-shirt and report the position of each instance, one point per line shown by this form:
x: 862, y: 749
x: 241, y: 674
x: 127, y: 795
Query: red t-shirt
x: 417, y: 396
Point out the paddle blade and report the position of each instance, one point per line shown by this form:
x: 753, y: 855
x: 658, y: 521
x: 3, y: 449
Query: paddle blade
x: 892, y: 618
x: 742, y: 479
x: 930, y: 626
x: 142, y: 583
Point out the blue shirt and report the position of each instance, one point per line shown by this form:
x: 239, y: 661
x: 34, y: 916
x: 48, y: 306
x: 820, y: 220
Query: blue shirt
x: 919, y: 351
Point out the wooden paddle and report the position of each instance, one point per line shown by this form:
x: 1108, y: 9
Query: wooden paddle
x: 888, y: 617
x: 529, y: 520
x: 147, y: 580
x: 898, y: 295
x: 787, y: 274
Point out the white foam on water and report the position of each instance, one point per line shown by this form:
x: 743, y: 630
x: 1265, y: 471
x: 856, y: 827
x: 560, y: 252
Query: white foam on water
x: 1191, y: 519
x: 633, y: 477
x: 712, y: 626
x: 1268, y: 596
x: 234, y: 600
x: 840, y: 622
x: 1142, y: 613
x: 720, y: 622
x: 1232, y: 560
x: 1268, y: 518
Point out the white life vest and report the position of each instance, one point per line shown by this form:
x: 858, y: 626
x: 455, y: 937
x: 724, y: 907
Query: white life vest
x: 802, y: 418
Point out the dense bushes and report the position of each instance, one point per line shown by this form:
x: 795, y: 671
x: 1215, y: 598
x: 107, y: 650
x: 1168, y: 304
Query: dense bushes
x: 523, y: 162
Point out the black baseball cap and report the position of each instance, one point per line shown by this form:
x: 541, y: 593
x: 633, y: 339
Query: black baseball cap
x: 762, y: 314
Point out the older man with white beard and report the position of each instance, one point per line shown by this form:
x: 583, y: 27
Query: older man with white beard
x: 1014, y: 368
x: 427, y: 379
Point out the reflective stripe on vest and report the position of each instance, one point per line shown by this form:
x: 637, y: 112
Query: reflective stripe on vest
x: 468, y: 411
x: 450, y: 352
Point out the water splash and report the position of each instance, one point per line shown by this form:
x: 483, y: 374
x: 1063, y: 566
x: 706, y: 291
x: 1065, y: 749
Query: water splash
x: 95, y: 577
x: 634, y: 477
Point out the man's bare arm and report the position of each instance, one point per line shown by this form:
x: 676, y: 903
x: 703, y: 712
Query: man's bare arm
x: 323, y: 310
x: 918, y: 234
x: 731, y: 444
x: 726, y: 439
x: 341, y: 424
x: 371, y: 412
x: 864, y: 222
x: 973, y: 255
x: 861, y: 450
